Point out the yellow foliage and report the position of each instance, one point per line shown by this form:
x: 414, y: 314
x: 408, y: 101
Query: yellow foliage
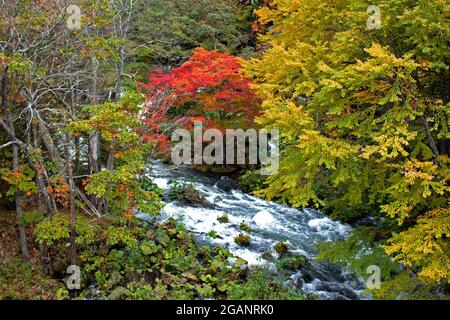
x: 426, y: 245
x: 363, y: 114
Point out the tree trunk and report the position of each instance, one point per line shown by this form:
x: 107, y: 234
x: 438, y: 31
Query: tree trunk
x: 72, y: 221
x: 94, y: 151
x: 94, y: 137
x: 77, y: 164
x: 15, y: 167
x: 19, y: 209
x: 110, y: 163
x: 40, y: 205
x: 120, y: 66
x: 430, y: 137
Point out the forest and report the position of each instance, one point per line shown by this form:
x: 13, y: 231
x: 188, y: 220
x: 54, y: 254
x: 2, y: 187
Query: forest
x: 354, y: 96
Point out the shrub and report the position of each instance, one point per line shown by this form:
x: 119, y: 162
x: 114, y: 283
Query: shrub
x: 262, y: 284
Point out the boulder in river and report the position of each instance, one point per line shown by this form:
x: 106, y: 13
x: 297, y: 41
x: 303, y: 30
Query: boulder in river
x: 192, y: 196
x: 281, y: 248
x: 242, y: 240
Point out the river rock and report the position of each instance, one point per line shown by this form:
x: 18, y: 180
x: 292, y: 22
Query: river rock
x: 194, y: 197
x: 226, y: 184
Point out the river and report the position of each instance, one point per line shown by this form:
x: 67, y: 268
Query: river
x: 270, y: 223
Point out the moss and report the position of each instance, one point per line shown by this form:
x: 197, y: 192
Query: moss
x: 242, y: 240
x: 223, y: 219
x: 245, y: 227
x: 281, y: 248
x: 293, y: 262
x: 192, y: 196
x: 185, y: 192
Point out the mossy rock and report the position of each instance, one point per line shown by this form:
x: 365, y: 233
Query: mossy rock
x: 245, y: 227
x: 242, y: 240
x: 267, y: 256
x: 223, y: 219
x: 294, y: 262
x: 222, y: 169
x: 281, y: 248
x: 192, y: 196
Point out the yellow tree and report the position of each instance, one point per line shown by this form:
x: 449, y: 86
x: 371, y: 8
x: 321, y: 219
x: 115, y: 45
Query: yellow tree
x: 364, y: 116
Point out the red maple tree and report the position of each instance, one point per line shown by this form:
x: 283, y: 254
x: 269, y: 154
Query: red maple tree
x: 209, y: 87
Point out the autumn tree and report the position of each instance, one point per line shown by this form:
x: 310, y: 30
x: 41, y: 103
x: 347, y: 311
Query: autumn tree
x: 119, y: 126
x: 27, y: 30
x: 364, y: 118
x: 209, y: 86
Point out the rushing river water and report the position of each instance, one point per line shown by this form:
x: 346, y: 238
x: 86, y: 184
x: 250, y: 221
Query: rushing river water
x: 270, y: 223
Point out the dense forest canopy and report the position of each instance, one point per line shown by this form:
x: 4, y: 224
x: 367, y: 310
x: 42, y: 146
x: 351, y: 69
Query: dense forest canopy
x: 372, y: 119
x: 91, y: 94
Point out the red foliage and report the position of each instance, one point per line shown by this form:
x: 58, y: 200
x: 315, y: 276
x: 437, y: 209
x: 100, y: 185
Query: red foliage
x: 208, y: 83
x: 154, y: 117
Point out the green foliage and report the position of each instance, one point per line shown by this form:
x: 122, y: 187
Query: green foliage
x: 177, y: 190
x: 185, y: 192
x: 118, y: 124
x: 245, y: 227
x: 32, y: 218
x: 142, y: 291
x: 171, y: 29
x: 52, y: 229
x: 148, y: 247
x: 363, y: 249
x: 212, y: 234
x: 121, y: 235
x: 142, y: 261
x: 251, y: 181
x: 407, y: 286
x: 426, y: 246
x: 260, y: 286
x: 148, y: 185
x: 292, y: 262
